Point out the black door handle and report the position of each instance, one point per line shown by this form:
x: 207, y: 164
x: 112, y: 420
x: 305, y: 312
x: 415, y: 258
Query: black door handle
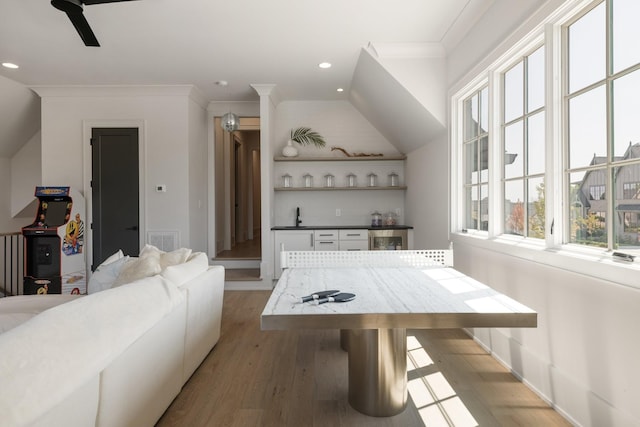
x: 133, y: 228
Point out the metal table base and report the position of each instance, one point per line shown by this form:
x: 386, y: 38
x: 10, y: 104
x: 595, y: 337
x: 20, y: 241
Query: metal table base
x: 377, y: 370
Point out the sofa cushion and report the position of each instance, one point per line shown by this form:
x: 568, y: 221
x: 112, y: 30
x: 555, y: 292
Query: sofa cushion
x: 182, y: 273
x: 106, y: 274
x: 18, y: 309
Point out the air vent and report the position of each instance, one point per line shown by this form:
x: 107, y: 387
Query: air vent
x: 163, y: 240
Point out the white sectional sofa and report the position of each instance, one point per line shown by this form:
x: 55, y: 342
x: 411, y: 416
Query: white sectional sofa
x: 112, y: 358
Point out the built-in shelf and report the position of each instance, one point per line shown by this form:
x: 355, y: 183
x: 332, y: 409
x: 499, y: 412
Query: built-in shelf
x: 400, y: 187
x: 333, y: 159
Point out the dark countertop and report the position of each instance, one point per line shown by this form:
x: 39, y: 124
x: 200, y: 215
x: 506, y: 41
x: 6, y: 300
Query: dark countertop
x: 342, y: 227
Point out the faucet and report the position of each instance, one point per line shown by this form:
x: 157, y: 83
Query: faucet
x: 298, y: 220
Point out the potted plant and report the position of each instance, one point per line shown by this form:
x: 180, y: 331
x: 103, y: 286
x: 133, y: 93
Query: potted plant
x: 303, y: 136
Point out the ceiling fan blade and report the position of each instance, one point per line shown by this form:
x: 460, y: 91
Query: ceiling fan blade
x: 82, y: 26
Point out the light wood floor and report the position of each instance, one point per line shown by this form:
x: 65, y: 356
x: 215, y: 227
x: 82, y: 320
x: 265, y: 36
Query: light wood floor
x: 249, y: 249
x: 299, y: 378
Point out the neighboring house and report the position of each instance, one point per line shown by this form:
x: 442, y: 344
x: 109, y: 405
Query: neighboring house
x: 590, y: 201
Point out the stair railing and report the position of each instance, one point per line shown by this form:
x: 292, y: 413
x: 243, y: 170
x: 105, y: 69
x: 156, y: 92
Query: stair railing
x: 11, y: 264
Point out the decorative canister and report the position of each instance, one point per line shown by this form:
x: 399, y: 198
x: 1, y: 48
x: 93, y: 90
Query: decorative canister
x: 390, y: 218
x: 352, y: 180
x: 308, y: 180
x: 286, y: 180
x: 393, y: 179
x: 289, y: 150
x: 376, y: 219
x: 329, y: 180
x: 372, y: 179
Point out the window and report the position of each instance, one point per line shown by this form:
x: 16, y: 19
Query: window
x: 631, y: 190
x: 476, y: 155
x: 557, y: 121
x: 601, y: 101
x: 524, y: 146
x: 596, y: 192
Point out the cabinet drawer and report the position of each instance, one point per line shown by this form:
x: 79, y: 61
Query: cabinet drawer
x: 354, y: 245
x: 326, y: 245
x: 325, y: 234
x: 354, y: 235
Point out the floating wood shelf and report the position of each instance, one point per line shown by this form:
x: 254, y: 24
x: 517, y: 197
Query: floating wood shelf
x: 400, y: 187
x: 333, y: 159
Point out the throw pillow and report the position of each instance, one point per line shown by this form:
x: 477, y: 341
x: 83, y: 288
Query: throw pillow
x: 106, y: 274
x: 182, y: 273
x: 179, y: 256
x: 114, y: 257
x: 137, y: 268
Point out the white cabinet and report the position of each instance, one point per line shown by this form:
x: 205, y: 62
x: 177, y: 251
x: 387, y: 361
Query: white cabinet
x: 353, y: 240
x: 291, y: 240
x: 354, y: 245
x: 326, y: 240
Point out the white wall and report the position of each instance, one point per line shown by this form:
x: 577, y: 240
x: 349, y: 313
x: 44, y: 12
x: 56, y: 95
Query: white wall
x: 428, y: 194
x: 198, y: 179
x: 582, y: 357
x: 167, y: 142
x: 8, y: 224
x: 19, y: 176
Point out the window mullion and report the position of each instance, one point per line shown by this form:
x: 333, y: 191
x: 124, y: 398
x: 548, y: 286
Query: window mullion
x: 555, y: 139
x: 496, y: 146
x: 610, y: 189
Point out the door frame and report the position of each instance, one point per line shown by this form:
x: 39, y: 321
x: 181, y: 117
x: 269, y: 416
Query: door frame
x: 87, y: 126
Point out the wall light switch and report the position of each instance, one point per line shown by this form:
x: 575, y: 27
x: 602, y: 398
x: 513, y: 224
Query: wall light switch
x: 161, y: 188
x: 338, y: 212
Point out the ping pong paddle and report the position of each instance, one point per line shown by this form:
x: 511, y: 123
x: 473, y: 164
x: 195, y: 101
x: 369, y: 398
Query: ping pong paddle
x: 341, y: 297
x: 319, y: 294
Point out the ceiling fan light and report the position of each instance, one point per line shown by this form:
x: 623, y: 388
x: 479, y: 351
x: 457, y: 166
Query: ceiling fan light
x: 230, y: 122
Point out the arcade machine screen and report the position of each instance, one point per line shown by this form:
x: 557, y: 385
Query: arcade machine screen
x: 56, y: 212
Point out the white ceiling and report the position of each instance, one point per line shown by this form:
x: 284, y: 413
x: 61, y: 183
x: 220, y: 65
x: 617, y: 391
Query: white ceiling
x: 199, y: 42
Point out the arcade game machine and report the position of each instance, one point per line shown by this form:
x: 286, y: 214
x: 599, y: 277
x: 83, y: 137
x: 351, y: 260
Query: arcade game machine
x: 54, y: 260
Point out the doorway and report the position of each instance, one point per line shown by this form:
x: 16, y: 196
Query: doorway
x: 114, y: 192
x: 237, y: 192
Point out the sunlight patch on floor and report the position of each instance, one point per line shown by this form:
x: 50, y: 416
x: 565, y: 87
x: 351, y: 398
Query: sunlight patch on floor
x: 433, y: 396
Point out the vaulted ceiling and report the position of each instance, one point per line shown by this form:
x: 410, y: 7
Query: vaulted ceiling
x: 201, y: 42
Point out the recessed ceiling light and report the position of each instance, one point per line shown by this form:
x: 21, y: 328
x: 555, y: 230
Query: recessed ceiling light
x: 9, y: 65
x: 340, y: 89
x: 324, y: 65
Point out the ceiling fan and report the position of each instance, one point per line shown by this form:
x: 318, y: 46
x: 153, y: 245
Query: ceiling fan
x: 73, y: 9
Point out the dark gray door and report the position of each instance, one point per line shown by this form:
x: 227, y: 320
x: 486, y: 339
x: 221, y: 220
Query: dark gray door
x: 115, y: 192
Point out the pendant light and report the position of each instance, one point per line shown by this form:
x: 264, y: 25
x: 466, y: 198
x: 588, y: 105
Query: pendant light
x: 229, y: 121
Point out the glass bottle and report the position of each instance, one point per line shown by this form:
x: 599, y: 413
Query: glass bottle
x: 393, y: 179
x: 308, y: 180
x: 329, y: 180
x: 352, y: 180
x: 286, y: 180
x: 372, y: 179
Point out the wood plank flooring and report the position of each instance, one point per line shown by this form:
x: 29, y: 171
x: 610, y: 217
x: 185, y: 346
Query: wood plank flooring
x: 299, y: 378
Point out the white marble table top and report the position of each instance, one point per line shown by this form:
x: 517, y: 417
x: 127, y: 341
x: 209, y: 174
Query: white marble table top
x: 437, y: 297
